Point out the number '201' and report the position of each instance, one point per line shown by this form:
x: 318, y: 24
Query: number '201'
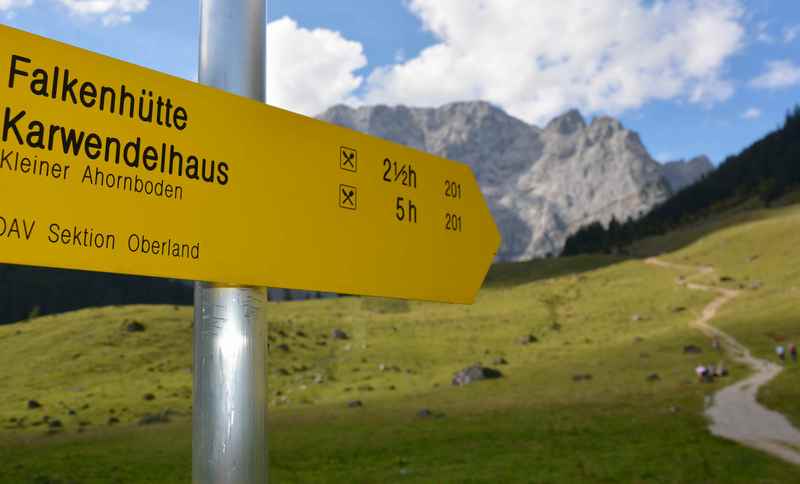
x: 452, y: 189
x: 452, y: 222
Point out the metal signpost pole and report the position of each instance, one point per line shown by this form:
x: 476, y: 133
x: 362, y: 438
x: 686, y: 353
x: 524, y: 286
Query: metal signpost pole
x: 229, y: 407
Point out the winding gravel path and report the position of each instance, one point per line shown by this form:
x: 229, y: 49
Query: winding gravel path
x: 734, y: 412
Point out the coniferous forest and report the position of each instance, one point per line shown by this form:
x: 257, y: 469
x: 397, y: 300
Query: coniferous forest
x: 27, y: 292
x: 766, y: 171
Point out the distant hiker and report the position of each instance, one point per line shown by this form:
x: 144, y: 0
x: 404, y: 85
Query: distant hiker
x: 781, y: 352
x: 711, y: 372
x: 793, y: 352
x: 715, y: 343
x: 721, y: 370
x: 701, y: 373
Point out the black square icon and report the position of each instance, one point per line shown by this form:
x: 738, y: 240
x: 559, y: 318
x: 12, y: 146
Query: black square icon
x: 348, y: 159
x: 348, y: 197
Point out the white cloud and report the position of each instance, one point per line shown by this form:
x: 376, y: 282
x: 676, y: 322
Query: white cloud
x: 9, y: 4
x: 762, y: 34
x: 752, y: 113
x: 112, y: 19
x: 711, y: 90
x: 791, y: 33
x: 110, y: 12
x: 537, y: 58
x: 781, y: 73
x: 310, y: 70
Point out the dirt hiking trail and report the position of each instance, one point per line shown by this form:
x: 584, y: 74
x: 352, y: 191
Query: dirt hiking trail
x: 734, y: 412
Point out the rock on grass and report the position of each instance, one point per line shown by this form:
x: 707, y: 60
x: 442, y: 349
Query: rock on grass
x: 135, y: 327
x: 339, y: 334
x: 155, y: 418
x: 475, y: 373
x: 428, y: 413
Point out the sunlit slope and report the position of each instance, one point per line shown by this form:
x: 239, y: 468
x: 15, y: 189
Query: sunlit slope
x: 395, y: 348
x: 618, y: 321
x: 761, y: 256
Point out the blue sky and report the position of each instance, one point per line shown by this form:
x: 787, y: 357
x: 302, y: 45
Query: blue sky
x: 691, y: 76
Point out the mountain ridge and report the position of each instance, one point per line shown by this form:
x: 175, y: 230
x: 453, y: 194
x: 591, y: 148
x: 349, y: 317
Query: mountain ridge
x: 682, y: 173
x: 541, y: 184
x: 766, y: 173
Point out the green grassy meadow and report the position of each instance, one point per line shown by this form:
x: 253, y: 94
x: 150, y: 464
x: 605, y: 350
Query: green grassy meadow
x: 760, y: 258
x: 615, y: 319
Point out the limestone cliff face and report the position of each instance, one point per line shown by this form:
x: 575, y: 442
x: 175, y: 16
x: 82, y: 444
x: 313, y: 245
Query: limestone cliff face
x: 541, y: 184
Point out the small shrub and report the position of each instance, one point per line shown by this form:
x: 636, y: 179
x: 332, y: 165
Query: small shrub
x: 35, y: 312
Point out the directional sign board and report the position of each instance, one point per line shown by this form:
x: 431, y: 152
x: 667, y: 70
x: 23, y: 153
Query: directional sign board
x: 107, y: 166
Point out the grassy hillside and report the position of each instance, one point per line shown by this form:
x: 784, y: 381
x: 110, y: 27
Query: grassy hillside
x: 617, y: 320
x: 756, y: 251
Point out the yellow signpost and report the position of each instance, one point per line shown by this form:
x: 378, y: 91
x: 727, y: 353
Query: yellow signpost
x: 107, y: 166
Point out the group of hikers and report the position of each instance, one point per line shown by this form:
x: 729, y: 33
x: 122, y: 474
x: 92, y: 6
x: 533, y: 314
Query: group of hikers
x: 707, y: 373
x: 781, y: 351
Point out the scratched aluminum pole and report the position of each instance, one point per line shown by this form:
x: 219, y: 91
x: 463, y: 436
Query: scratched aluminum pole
x: 229, y: 440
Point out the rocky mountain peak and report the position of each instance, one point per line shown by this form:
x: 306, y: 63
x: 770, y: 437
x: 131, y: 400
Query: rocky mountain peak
x: 682, y: 173
x: 604, y: 127
x: 568, y: 123
x: 474, y: 108
x: 701, y: 162
x: 541, y: 184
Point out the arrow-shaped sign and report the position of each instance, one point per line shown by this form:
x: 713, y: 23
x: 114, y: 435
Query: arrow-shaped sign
x: 107, y: 166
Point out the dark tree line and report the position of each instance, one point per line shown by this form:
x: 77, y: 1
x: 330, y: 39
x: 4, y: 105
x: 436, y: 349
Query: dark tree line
x: 30, y: 291
x: 767, y: 170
